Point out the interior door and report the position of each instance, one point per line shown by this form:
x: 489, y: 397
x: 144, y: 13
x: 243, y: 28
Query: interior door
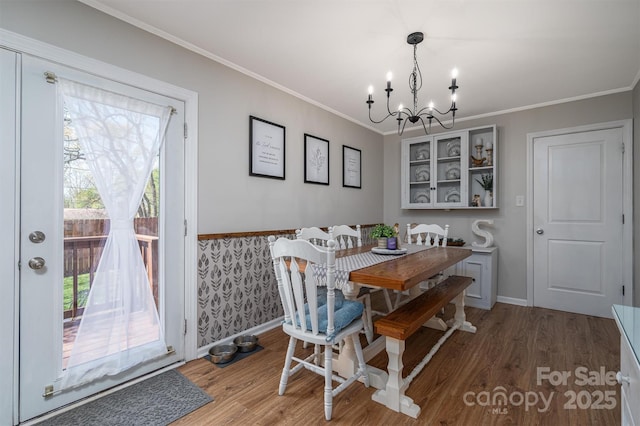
x: 44, y: 250
x: 578, y: 221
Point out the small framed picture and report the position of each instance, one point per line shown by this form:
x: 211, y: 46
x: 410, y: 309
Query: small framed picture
x: 266, y: 148
x: 316, y: 160
x: 351, y: 167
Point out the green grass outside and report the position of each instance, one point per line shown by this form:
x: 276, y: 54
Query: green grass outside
x: 83, y: 291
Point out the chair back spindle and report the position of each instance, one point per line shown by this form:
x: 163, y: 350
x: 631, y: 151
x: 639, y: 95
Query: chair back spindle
x: 345, y: 236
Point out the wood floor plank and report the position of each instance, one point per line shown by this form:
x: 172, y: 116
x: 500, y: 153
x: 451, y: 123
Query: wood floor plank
x: 456, y: 388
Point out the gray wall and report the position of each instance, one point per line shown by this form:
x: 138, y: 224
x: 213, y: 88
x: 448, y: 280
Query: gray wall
x: 509, y: 221
x: 229, y: 199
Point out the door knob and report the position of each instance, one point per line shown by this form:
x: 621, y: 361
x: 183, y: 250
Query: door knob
x: 36, y: 237
x: 620, y: 378
x: 36, y: 263
x: 539, y: 231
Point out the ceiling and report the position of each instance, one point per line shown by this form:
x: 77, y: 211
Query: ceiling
x: 511, y: 54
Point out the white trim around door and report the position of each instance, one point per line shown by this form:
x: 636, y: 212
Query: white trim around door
x: 627, y: 201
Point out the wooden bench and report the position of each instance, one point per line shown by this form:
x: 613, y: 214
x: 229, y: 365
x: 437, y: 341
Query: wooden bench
x: 400, y: 324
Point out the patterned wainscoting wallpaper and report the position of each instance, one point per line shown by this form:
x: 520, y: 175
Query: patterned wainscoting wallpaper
x: 237, y: 288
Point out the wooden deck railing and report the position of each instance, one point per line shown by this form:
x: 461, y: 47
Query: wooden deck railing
x: 82, y: 254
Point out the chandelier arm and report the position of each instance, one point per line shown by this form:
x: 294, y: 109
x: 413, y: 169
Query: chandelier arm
x: 404, y: 123
x: 378, y: 122
x: 391, y: 113
x: 442, y: 124
x: 425, y: 127
x: 422, y: 111
x: 445, y: 112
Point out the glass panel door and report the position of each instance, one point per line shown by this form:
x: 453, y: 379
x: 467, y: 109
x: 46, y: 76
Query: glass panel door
x: 63, y: 229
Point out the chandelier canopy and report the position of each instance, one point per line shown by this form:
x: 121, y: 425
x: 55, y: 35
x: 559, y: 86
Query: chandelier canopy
x: 427, y: 114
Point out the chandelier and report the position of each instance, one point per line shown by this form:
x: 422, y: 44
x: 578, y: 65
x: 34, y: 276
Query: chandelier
x: 427, y: 114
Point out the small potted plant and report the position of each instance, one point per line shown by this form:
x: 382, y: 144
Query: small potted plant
x: 486, y: 182
x: 382, y: 233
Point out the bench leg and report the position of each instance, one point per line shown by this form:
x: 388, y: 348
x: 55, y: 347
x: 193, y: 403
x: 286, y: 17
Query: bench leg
x: 459, y: 316
x: 393, y: 394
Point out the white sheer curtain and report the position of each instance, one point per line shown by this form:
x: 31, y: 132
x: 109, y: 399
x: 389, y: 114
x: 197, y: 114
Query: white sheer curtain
x: 120, y: 137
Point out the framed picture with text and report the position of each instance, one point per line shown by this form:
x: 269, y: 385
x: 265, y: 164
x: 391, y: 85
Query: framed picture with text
x: 266, y: 148
x: 351, y: 167
x: 316, y: 160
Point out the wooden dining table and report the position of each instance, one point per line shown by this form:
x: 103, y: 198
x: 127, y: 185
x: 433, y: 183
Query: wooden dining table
x: 401, y: 272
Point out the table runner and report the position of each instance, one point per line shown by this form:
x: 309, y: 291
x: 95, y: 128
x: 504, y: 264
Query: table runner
x: 344, y: 265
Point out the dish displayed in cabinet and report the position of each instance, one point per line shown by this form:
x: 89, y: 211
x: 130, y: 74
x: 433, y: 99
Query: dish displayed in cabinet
x: 453, y: 149
x: 422, y: 173
x: 423, y: 153
x: 453, y: 172
x: 422, y: 197
x: 452, y: 196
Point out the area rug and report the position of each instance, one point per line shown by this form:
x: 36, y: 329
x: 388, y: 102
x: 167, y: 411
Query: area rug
x: 158, y: 400
x: 239, y: 356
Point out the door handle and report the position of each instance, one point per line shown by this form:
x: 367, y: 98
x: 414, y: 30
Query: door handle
x: 539, y: 231
x: 36, y: 263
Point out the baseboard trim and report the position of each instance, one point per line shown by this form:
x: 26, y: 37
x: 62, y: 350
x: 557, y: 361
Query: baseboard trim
x: 512, y: 300
x: 204, y: 350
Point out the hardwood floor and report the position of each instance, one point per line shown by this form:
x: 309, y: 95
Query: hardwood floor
x: 458, y: 387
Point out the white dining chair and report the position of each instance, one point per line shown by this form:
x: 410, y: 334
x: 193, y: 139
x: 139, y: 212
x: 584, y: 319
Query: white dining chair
x: 346, y: 237
x: 313, y: 319
x: 427, y: 235
x: 314, y: 235
x: 431, y: 235
x: 318, y: 237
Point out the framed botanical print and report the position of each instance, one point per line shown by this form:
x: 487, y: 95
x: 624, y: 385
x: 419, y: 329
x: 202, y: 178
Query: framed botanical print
x: 316, y: 160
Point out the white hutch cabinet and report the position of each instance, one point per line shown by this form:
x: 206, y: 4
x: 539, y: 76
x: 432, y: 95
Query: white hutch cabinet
x: 482, y: 266
x: 628, y: 321
x: 443, y: 171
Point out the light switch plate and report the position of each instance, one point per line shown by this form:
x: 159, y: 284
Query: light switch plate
x: 519, y: 200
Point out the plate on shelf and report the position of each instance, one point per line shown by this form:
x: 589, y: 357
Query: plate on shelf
x: 422, y: 173
x: 421, y: 197
x: 453, y: 149
x: 453, y: 172
x: 423, y: 153
x: 452, y: 196
x: 378, y: 250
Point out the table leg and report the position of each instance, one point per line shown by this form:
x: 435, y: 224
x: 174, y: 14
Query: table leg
x: 393, y: 395
x: 345, y: 363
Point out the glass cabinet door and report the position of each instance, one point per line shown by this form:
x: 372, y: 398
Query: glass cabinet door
x: 420, y: 173
x: 449, y: 150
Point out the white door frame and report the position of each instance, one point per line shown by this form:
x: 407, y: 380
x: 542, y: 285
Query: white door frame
x: 627, y: 200
x: 26, y: 45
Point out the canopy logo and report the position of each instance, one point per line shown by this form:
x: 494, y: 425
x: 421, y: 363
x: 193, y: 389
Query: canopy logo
x: 498, y: 400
